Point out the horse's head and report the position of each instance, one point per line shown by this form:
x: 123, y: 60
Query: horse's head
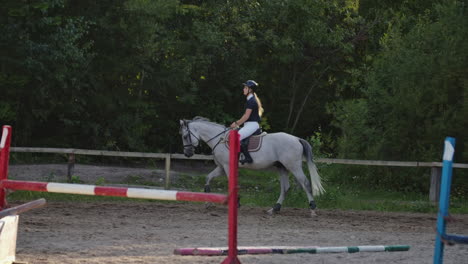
x: 189, y: 138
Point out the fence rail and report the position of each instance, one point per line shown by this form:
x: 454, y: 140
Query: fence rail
x: 435, y: 166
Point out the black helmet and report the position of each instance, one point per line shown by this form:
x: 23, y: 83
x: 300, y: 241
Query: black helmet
x: 251, y: 84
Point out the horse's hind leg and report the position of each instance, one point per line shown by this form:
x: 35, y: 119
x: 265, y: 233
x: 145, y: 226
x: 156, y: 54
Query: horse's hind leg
x: 305, y: 184
x: 284, y: 187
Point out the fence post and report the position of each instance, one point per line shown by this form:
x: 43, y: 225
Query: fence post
x: 71, y: 166
x: 168, y: 172
x: 434, y: 191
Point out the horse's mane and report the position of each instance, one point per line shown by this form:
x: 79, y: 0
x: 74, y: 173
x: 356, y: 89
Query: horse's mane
x: 206, y: 120
x: 201, y: 118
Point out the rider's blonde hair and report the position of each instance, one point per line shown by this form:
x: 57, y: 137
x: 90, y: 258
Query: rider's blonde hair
x: 260, y: 108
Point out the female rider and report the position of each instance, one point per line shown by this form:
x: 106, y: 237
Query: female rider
x: 251, y: 118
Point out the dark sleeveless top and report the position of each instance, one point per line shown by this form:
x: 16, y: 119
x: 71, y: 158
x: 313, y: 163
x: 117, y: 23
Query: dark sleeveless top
x: 252, y: 104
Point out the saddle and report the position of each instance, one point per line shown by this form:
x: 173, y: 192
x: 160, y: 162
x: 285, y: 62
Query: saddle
x: 254, y: 141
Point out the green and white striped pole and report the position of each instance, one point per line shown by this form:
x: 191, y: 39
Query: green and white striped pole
x: 208, y: 251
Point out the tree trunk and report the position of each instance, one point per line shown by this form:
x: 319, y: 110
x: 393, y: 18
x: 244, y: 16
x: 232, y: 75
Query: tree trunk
x: 306, y: 98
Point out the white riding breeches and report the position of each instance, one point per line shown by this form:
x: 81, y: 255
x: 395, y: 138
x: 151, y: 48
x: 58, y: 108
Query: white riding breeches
x: 248, y: 129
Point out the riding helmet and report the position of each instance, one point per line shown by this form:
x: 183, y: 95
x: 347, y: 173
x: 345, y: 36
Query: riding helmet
x: 251, y: 84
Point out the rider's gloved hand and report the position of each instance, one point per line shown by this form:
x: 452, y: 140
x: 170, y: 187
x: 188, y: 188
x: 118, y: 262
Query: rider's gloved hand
x: 234, y: 125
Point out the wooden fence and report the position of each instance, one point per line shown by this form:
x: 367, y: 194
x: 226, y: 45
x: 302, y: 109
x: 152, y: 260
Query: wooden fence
x: 436, y: 167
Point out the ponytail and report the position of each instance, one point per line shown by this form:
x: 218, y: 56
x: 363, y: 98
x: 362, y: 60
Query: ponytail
x: 260, y: 108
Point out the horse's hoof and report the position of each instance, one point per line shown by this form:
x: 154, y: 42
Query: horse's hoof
x: 273, y: 211
x: 209, y: 205
x: 313, y: 213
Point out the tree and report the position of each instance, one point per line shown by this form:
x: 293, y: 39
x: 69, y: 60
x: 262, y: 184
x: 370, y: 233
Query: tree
x: 415, y: 94
x: 42, y: 60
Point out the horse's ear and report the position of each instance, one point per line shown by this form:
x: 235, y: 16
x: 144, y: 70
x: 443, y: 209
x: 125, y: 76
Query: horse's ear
x: 181, y: 122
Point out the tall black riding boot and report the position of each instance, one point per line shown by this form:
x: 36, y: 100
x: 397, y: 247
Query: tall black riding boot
x: 244, y: 147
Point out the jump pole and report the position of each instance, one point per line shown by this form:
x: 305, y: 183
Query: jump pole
x: 287, y: 250
x: 138, y: 193
x: 23, y: 208
x: 83, y: 189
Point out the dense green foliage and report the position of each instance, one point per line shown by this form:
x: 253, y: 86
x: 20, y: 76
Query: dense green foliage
x: 369, y: 80
x: 416, y: 93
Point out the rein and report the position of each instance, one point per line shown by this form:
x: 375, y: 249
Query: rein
x: 192, y: 134
x: 226, y: 129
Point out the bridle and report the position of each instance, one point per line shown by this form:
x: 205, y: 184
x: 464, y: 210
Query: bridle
x: 190, y: 134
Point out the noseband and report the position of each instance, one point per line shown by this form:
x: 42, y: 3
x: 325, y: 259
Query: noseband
x: 190, y: 134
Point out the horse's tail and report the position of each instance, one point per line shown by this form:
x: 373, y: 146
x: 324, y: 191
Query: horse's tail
x: 314, y: 176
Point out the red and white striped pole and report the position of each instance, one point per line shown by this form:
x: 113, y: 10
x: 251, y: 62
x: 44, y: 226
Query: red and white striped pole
x: 138, y: 193
x: 234, y: 148
x: 4, y: 157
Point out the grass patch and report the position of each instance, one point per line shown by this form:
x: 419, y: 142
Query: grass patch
x: 349, y: 199
x: 262, y: 189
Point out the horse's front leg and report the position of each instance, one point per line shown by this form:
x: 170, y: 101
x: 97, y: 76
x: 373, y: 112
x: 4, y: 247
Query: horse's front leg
x: 218, y: 171
x: 284, y: 187
x: 226, y: 171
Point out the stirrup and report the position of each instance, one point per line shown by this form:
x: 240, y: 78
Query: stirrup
x: 245, y: 159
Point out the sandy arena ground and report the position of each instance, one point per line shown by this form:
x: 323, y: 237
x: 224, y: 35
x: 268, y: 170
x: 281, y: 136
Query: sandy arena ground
x: 148, y: 232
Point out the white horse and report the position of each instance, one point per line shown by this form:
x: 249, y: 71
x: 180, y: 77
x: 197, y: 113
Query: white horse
x: 281, y: 151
